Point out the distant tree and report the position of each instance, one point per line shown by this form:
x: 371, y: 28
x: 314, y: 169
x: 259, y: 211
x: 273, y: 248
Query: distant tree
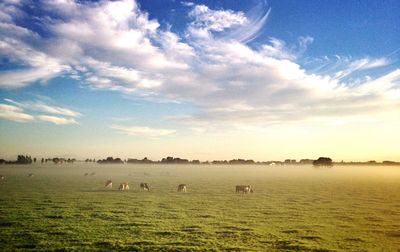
x: 42, y: 161
x: 21, y: 159
x: 306, y: 161
x: 323, y: 161
x: 110, y: 160
x: 390, y: 163
x: 172, y: 160
x: 238, y: 161
x: 34, y: 160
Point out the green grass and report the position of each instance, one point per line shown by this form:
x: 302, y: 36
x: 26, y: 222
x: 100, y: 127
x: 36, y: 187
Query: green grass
x: 294, y: 208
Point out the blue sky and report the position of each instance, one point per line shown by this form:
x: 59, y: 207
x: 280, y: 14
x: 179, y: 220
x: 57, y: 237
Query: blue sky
x: 203, y: 79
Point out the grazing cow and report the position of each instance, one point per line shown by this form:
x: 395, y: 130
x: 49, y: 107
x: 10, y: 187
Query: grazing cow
x: 123, y: 186
x: 86, y: 174
x: 2, y: 177
x: 93, y: 173
x: 30, y: 175
x: 144, y: 187
x: 244, y: 189
x: 108, y: 184
x: 182, y: 188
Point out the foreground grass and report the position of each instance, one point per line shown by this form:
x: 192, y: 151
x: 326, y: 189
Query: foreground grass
x: 292, y: 209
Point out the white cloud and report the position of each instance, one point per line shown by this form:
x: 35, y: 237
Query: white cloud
x: 256, y: 19
x: 57, y: 120
x: 41, y: 66
x: 14, y: 113
x: 186, y: 3
x: 143, y: 131
x: 17, y: 112
x: 40, y: 106
x: 340, y: 67
x: 114, y: 45
x: 216, y: 20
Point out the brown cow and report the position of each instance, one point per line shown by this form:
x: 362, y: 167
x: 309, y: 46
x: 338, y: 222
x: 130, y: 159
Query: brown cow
x: 182, y: 188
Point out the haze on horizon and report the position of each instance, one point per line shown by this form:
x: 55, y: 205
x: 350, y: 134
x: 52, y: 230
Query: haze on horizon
x: 262, y: 80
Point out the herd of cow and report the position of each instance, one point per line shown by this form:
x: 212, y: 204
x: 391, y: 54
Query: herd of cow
x: 181, y: 187
x: 145, y: 187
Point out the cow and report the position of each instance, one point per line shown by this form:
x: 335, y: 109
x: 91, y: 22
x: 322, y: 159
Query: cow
x: 92, y: 174
x: 123, y: 186
x: 2, y: 177
x: 30, y: 175
x: 86, y: 174
x: 182, y: 188
x: 244, y: 189
x: 144, y: 187
x: 108, y: 184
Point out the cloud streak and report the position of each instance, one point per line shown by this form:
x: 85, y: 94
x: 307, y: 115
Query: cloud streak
x: 56, y: 119
x: 32, y: 111
x: 143, y: 131
x: 14, y: 113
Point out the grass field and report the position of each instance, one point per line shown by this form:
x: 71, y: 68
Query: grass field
x: 293, y: 208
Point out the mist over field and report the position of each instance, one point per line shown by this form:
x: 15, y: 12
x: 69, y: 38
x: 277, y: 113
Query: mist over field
x: 293, y: 208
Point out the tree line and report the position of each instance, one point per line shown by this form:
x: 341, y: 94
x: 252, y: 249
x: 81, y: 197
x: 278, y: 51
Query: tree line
x: 321, y: 161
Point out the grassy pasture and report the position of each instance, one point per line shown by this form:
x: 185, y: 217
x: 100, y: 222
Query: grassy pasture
x: 294, y: 208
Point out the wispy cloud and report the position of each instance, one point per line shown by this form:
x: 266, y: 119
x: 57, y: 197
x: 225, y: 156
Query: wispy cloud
x: 256, y: 19
x: 31, y: 111
x: 187, y: 3
x: 13, y: 113
x: 56, y: 119
x: 143, y: 131
x: 40, y: 106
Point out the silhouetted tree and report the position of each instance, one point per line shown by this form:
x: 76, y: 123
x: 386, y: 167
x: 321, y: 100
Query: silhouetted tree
x: 390, y: 163
x: 110, y: 160
x: 306, y: 161
x: 323, y: 161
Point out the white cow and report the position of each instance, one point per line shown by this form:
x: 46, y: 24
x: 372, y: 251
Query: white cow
x: 182, y: 188
x: 108, y: 184
x: 2, y: 177
x: 244, y: 189
x: 123, y: 186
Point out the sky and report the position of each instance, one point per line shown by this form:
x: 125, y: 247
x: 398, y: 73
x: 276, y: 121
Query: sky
x: 262, y: 80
